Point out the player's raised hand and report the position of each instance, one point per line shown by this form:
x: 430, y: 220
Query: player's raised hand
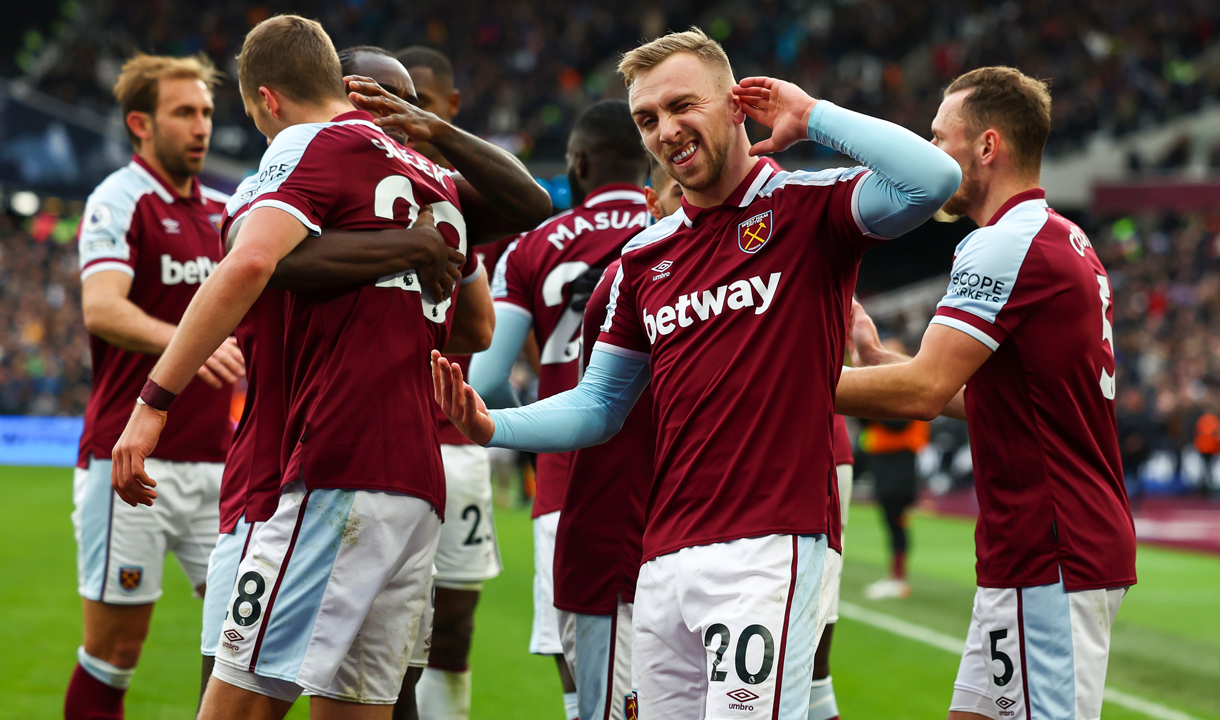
x: 437, y: 265
x: 226, y: 365
x: 389, y: 110
x: 127, y: 475
x: 779, y: 105
x: 460, y: 402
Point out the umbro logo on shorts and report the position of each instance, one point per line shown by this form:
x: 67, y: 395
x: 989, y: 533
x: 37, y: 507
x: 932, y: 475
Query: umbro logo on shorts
x: 232, y: 635
x: 1005, y: 703
x: 743, y: 697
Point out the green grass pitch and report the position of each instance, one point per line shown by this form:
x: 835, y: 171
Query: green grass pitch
x: 1166, y: 644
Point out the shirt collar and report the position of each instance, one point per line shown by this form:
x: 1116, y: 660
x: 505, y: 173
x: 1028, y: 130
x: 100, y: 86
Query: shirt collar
x: 164, y: 189
x: 742, y: 195
x: 353, y: 115
x: 612, y: 192
x: 1035, y: 194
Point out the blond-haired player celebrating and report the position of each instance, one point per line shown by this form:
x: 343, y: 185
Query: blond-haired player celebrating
x: 733, y: 307
x: 1025, y: 326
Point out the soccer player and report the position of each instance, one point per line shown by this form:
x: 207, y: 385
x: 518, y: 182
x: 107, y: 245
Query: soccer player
x: 328, y: 598
x: 147, y: 242
x: 467, y: 555
x: 607, y: 167
x: 733, y: 307
x: 1025, y: 326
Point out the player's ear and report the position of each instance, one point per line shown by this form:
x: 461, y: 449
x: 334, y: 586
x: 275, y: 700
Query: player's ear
x: 271, y: 100
x: 455, y: 103
x: 140, y: 124
x: 652, y: 202
x: 738, y: 115
x: 988, y: 145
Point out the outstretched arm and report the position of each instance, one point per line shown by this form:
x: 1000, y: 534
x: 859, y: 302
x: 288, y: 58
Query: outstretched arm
x: 919, y: 388
x: 505, y: 197
x: 911, y: 178
x: 589, y: 414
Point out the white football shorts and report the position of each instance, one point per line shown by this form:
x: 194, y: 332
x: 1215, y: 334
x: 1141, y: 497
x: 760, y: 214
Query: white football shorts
x: 467, y: 554
x: 1037, y: 652
x: 729, y: 630
x: 423, y: 639
x: 544, y: 637
x: 846, y: 473
x: 330, y: 596
x: 598, y: 651
x: 121, y: 549
x: 230, y: 550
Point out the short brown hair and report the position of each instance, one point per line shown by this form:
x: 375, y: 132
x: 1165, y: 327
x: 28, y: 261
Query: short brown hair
x: 1014, y: 103
x: 139, y: 81
x: 694, y: 41
x: 293, y: 56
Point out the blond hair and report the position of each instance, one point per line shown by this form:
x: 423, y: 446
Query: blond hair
x: 1018, y: 105
x: 694, y: 41
x: 139, y: 81
x: 292, y: 55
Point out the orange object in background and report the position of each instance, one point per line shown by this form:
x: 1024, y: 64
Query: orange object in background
x: 876, y: 438
x: 1207, y: 434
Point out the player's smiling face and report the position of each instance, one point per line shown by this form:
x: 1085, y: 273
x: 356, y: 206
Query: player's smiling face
x: 686, y: 117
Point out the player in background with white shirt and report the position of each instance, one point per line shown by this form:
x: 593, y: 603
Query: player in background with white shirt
x: 733, y: 309
x: 1025, y: 326
x: 147, y: 242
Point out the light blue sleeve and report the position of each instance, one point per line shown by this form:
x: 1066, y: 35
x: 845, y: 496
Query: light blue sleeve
x: 911, y: 177
x: 588, y: 414
x: 490, y: 369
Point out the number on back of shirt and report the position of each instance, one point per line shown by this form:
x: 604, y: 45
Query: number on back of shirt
x: 398, y: 187
x: 1107, y: 336
x: 564, y: 343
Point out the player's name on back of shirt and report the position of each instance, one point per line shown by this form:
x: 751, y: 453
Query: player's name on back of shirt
x: 573, y: 226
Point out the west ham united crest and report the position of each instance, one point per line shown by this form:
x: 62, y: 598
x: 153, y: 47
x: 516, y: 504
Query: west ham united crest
x: 753, y: 233
x: 631, y: 708
x: 130, y: 577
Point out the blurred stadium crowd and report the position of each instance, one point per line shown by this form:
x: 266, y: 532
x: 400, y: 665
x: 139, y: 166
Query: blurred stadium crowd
x: 527, y: 68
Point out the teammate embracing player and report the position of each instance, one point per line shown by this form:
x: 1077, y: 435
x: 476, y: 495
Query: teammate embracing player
x: 1025, y: 326
x: 329, y: 596
x: 734, y: 308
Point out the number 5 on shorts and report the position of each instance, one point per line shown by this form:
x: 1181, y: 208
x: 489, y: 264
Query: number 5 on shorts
x: 998, y: 655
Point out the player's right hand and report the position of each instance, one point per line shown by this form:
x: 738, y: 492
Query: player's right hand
x: 460, y: 402
x: 127, y: 476
x: 437, y: 265
x: 226, y: 366
x: 865, y: 343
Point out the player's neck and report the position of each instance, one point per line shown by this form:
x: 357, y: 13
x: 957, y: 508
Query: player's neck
x: 325, y: 111
x: 180, y: 183
x: 735, y: 171
x: 1000, y: 191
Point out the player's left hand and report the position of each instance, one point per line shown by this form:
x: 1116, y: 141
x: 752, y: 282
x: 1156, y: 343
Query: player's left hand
x: 127, y: 475
x: 460, y: 402
x: 389, y: 110
x: 779, y: 105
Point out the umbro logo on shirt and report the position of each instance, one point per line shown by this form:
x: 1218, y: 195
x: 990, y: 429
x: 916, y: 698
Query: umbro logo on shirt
x: 171, y: 226
x: 660, y: 269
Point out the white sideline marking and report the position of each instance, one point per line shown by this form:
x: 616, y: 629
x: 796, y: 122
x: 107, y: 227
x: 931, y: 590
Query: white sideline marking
x: 950, y: 644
